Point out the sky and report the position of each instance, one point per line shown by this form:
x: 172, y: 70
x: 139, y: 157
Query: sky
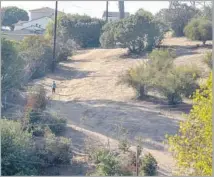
x: 91, y: 8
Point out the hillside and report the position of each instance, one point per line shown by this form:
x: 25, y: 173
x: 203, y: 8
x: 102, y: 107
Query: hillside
x: 89, y: 98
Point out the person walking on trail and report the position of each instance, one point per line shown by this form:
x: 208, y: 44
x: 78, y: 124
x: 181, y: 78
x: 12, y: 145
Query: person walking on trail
x: 53, y: 87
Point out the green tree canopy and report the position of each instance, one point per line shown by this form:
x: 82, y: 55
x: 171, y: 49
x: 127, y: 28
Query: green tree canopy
x: 84, y: 30
x: 199, y: 29
x: 137, y: 32
x: 177, y: 17
x: 11, y: 67
x: 11, y: 15
x: 192, y: 146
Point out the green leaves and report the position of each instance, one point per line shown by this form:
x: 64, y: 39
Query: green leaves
x: 137, y: 32
x: 12, y: 15
x: 199, y: 29
x: 160, y: 75
x: 192, y: 146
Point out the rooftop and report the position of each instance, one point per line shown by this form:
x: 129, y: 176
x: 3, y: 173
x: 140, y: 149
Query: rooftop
x: 114, y: 14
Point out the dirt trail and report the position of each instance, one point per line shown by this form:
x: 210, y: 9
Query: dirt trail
x: 87, y: 95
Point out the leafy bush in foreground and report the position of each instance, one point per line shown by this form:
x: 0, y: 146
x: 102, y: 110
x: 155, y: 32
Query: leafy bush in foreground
x: 148, y: 166
x: 192, y: 147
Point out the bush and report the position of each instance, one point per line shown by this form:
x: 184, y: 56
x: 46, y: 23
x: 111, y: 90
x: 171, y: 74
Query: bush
x: 38, y: 122
x: 17, y: 150
x: 12, y: 66
x: 82, y: 29
x: 178, y: 82
x: 199, y: 29
x: 108, y: 165
x: 149, y: 166
x: 124, y: 145
x: 37, y: 98
x: 137, y: 32
x: 37, y: 52
x: 192, y: 147
x: 141, y: 77
x: 54, y: 150
x: 177, y: 17
x: 160, y: 75
x: 208, y: 60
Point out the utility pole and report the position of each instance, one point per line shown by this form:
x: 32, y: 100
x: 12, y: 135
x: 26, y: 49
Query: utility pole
x: 106, y: 11
x: 121, y: 9
x: 54, y: 46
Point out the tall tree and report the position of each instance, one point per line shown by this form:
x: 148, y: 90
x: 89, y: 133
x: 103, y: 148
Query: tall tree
x: 12, y: 15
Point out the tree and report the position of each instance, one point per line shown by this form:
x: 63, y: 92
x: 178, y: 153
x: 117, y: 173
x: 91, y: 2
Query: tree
x: 11, y: 67
x: 192, y: 146
x: 12, y: 15
x: 82, y: 29
x: 16, y: 150
x: 160, y: 75
x: 177, y: 17
x: 137, y: 32
x: 37, y: 53
x: 199, y: 29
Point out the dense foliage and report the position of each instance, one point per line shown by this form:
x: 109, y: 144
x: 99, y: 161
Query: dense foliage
x: 11, y: 15
x: 199, y: 29
x: 160, y: 75
x: 177, y: 17
x: 137, y: 32
x: 11, y: 66
x: 192, y: 146
x: 83, y: 30
x: 149, y: 165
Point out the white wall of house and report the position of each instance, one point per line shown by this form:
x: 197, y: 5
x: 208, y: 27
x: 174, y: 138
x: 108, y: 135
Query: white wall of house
x: 42, y: 23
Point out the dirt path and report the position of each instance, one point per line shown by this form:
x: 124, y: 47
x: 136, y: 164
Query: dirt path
x: 87, y: 95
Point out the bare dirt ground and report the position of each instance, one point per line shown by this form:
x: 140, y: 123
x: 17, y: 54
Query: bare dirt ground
x: 87, y: 95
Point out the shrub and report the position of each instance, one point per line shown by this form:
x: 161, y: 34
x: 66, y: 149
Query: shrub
x: 37, y: 52
x: 128, y: 164
x: 177, y: 17
x: 149, y: 166
x: 12, y: 66
x: 160, y: 75
x: 96, y: 154
x: 192, y: 147
x: 108, y: 165
x: 199, y: 29
x: 124, y: 145
x: 54, y: 150
x: 176, y: 83
x: 56, y: 124
x: 137, y: 32
x: 38, y: 122
x: 17, y: 150
x: 37, y: 98
x: 208, y: 60
x: 141, y: 77
x: 82, y: 29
